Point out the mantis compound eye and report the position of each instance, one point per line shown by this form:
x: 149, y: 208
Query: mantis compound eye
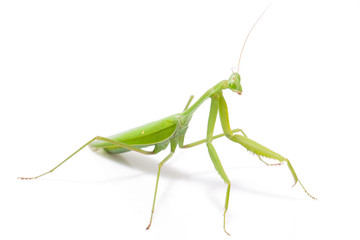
x: 232, y: 86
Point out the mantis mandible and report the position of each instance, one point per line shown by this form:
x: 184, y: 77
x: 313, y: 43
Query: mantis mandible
x: 171, y: 131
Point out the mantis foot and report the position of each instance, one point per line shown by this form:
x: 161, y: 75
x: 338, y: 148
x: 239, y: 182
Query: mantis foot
x: 26, y: 178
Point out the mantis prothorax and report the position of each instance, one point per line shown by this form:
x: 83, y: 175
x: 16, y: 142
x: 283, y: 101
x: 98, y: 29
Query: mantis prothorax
x: 172, y: 129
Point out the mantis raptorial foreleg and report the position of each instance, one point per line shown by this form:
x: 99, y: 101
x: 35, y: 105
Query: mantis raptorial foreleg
x: 212, y: 152
x: 251, y: 145
x: 190, y: 145
x: 123, y: 145
x: 172, y: 129
x: 268, y: 164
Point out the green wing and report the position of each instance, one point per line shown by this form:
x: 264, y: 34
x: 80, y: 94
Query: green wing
x: 143, y: 136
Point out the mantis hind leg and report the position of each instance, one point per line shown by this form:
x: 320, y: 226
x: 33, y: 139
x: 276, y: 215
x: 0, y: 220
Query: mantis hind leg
x: 156, y: 187
x: 86, y: 144
x: 173, y: 147
x: 251, y: 145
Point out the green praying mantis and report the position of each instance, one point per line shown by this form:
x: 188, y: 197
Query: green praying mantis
x: 171, y: 131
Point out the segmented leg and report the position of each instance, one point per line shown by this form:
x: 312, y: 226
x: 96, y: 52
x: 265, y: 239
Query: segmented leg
x: 188, y: 103
x: 190, y: 145
x: 86, y: 144
x: 251, y: 145
x: 268, y: 164
x: 212, y: 152
x: 157, y: 183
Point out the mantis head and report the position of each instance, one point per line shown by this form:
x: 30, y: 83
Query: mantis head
x: 234, y: 83
x: 234, y: 80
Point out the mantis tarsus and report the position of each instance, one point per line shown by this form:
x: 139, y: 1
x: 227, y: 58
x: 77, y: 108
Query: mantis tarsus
x: 172, y: 129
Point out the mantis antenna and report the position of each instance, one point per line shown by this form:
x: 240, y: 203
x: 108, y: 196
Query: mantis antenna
x: 242, y: 49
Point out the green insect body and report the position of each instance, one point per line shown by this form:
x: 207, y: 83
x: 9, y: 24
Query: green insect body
x: 156, y: 133
x: 172, y: 129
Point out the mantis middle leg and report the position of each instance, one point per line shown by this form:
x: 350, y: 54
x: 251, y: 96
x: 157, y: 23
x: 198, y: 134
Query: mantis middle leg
x: 194, y: 144
x: 212, y: 152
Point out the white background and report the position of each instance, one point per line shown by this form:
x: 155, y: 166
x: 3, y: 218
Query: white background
x: 71, y: 70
